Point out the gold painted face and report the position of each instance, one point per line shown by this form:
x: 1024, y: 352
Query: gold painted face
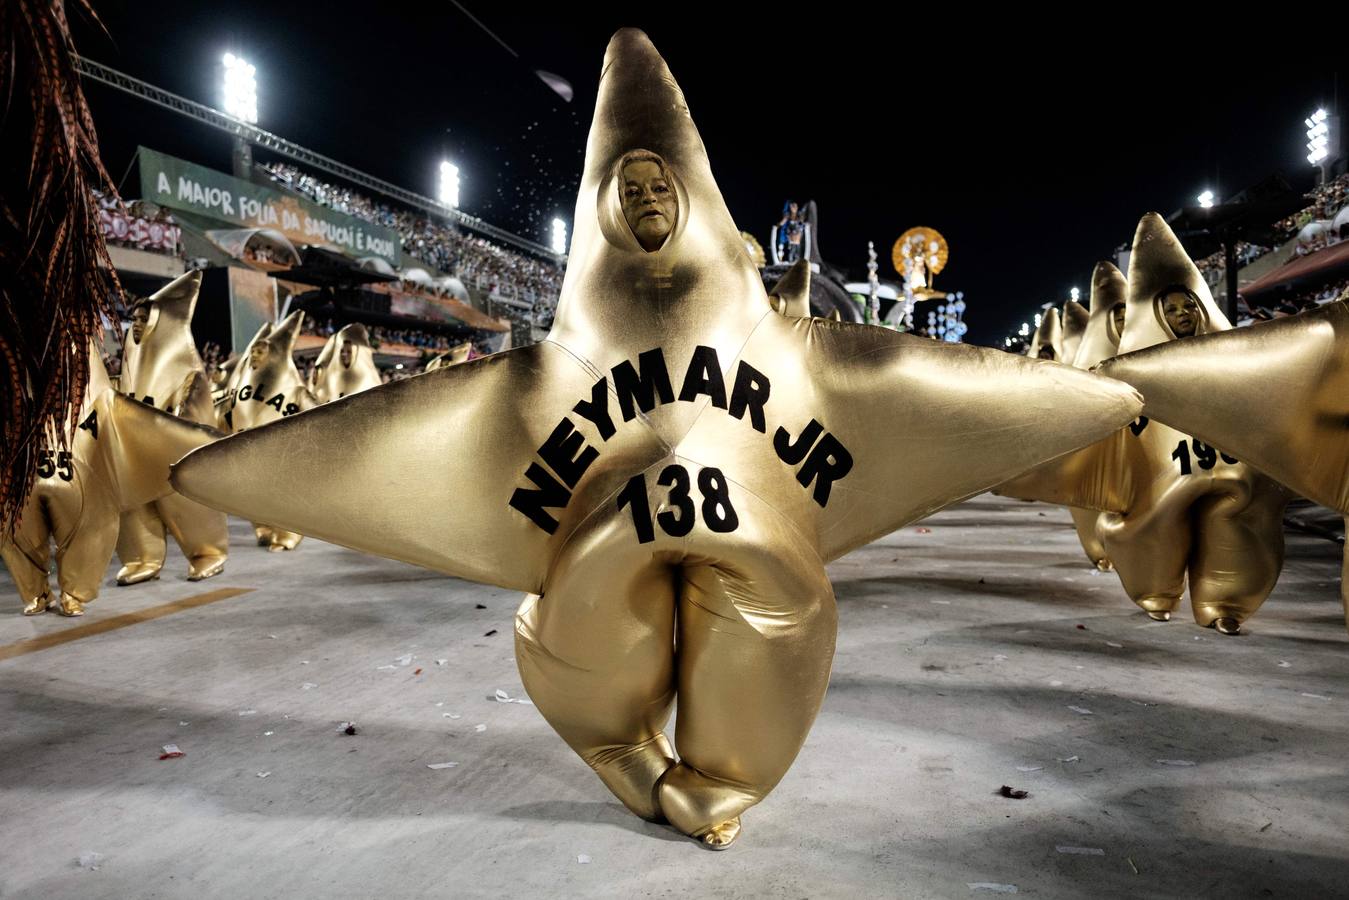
x: 345, y: 354
x: 257, y: 356
x: 1117, y: 318
x: 1046, y: 352
x: 1181, y: 312
x: 649, y: 203
x: 140, y: 316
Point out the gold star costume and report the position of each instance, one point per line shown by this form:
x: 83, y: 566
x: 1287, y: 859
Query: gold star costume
x: 1172, y: 505
x: 345, y: 365
x: 266, y: 387
x: 1276, y: 395
x: 1048, y: 338
x: 117, y: 460
x: 1083, y: 471
x: 1075, y: 318
x: 163, y: 370
x: 673, y: 466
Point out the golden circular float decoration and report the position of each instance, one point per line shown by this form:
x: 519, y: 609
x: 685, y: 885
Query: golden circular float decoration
x: 920, y: 241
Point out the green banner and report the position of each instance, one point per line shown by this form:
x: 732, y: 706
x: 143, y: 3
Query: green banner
x: 178, y: 184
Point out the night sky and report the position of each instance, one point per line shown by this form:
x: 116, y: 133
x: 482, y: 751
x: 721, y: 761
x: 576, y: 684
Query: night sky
x: 1035, y: 154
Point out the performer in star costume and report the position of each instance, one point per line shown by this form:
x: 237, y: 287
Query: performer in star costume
x: 1276, y: 395
x: 674, y: 464
x: 1074, y: 320
x: 118, y: 459
x: 1047, y: 342
x: 1173, y: 506
x: 266, y: 387
x: 345, y: 365
x: 161, y: 368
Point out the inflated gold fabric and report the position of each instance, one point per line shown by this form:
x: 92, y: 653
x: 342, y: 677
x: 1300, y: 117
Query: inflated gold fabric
x: 791, y: 295
x: 1274, y: 395
x: 452, y: 357
x: 1074, y: 320
x: 1174, y: 506
x: 118, y: 459
x: 162, y: 369
x: 266, y: 387
x: 1048, y: 338
x: 673, y: 466
x: 345, y: 365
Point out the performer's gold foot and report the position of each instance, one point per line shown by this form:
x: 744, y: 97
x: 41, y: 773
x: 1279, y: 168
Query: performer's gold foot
x: 38, y: 605
x: 136, y: 572
x: 1104, y: 565
x: 1159, y: 615
x: 70, y: 606
x: 205, y: 567
x: 719, y: 837
x: 1227, y: 625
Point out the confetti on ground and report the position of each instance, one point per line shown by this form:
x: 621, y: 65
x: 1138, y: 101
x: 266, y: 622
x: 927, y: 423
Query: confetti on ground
x: 1113, y: 644
x: 1070, y: 759
x: 448, y: 765
x: 171, y: 751
x: 1081, y: 711
x: 184, y: 724
x: 348, y: 728
x: 272, y: 636
x: 1315, y: 696
x: 90, y: 860
x: 923, y: 530
x: 404, y: 660
x: 1081, y: 851
x: 992, y: 887
x: 1056, y: 684
x: 385, y: 668
x: 999, y: 657
x: 263, y: 774
x: 452, y: 715
x: 1029, y: 768
x: 441, y: 662
x: 418, y: 672
x: 308, y: 686
x: 248, y: 712
x: 490, y: 633
x: 582, y: 858
x: 1131, y: 864
x: 1175, y: 762
x: 1285, y: 664
x: 1012, y: 793
x: 480, y: 728
x: 268, y: 733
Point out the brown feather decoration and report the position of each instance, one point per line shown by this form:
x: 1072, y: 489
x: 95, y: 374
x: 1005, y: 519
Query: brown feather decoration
x: 57, y: 284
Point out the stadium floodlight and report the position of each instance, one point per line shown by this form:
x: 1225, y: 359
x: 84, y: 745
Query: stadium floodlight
x: 1074, y: 294
x: 1206, y: 199
x: 1025, y: 329
x: 1038, y: 319
x: 240, y: 89
x: 1318, y: 137
x: 559, y: 237
x: 448, y: 190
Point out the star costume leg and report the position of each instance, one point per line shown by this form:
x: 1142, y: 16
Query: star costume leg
x: 596, y: 653
x: 141, y: 545
x: 1238, y: 553
x: 201, y: 533
x: 84, y: 524
x: 27, y: 555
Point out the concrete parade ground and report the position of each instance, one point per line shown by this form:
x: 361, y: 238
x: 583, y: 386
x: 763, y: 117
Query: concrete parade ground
x: 976, y: 650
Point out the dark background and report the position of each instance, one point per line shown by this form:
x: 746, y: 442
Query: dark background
x: 1033, y: 140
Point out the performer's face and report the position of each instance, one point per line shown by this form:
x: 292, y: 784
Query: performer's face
x: 1046, y: 353
x: 649, y: 204
x: 1117, y: 316
x: 1181, y: 313
x: 345, y: 354
x: 258, y: 354
x: 140, y: 316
